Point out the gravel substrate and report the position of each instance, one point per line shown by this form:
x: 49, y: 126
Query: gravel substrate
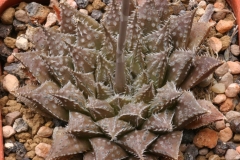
x: 27, y: 135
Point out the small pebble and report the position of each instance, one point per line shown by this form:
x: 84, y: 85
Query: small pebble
x: 236, y: 138
x: 37, y: 12
x: 98, y: 4
x: 232, y: 115
x: 232, y: 90
x: 231, y: 154
x: 8, y: 15
x: 22, y: 43
x: 214, y: 157
x: 219, y: 15
x: 235, y: 50
x: 45, y: 131
x: 96, y: 14
x: 226, y: 79
x: 226, y: 40
x: 8, y: 131
x: 221, y: 70
x: 215, y: 44
x: 5, y: 30
x: 89, y: 8
x: 10, y: 42
x: 42, y: 149
x: 225, y: 134
x: 206, y: 138
x: 82, y: 3
x: 221, y: 148
x: 22, y: 16
x: 72, y: 3
x: 20, y: 151
x: 10, y: 83
x: 218, y: 88
x: 191, y: 152
x: 219, y: 5
x: 220, y: 98
x: 84, y: 11
x: 200, y: 11
x: 21, y: 5
x: 51, y: 20
x: 9, y: 147
x: 224, y: 26
x: 11, y: 117
x: 20, y: 125
x: 235, y: 125
x: 202, y: 4
x: 227, y: 105
x: 234, y: 67
x: 203, y: 151
x: 220, y: 125
x: 19, y: 26
x: 10, y: 59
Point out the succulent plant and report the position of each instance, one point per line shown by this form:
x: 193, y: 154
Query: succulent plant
x: 75, y: 71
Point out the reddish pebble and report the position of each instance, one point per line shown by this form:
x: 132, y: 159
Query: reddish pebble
x: 42, y: 149
x: 224, y: 26
x: 221, y: 70
x: 225, y: 134
x: 232, y: 90
x: 227, y: 105
x: 206, y: 138
x: 238, y: 149
x: 219, y: 98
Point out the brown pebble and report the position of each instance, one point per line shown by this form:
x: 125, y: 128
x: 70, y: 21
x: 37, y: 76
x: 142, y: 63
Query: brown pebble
x: 221, y: 70
x: 42, y: 149
x: 232, y: 90
x: 227, y: 105
x: 226, y: 40
x: 206, y: 138
x: 215, y: 44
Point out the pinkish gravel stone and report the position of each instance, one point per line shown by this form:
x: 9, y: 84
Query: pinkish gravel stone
x: 226, y: 79
x: 234, y: 67
x: 11, y: 117
x: 8, y: 131
x: 221, y: 70
x: 225, y: 134
x: 235, y: 50
x: 215, y: 44
x: 232, y: 90
x: 10, y: 82
x: 232, y: 154
x: 51, y: 20
x: 42, y: 149
x: 220, y: 98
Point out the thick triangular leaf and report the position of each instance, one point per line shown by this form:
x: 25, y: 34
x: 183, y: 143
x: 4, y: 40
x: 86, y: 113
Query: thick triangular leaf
x: 166, y: 97
x: 160, y: 122
x: 187, y: 110
x: 167, y: 145
x: 99, y: 109
x: 65, y: 145
x: 114, y: 127
x: 213, y: 115
x: 134, y: 113
x: 137, y: 142
x: 146, y: 93
x: 82, y: 125
x: 202, y: 68
x: 105, y: 149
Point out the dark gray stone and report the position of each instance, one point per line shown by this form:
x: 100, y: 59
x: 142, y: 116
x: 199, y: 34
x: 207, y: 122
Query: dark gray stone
x: 32, y: 8
x: 4, y: 51
x: 82, y: 3
x: 235, y: 125
x: 5, y: 30
x: 20, y: 151
x: 20, y: 125
x: 96, y: 14
x: 220, y: 149
x: 19, y: 26
x: 106, y: 1
x: 191, y: 152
